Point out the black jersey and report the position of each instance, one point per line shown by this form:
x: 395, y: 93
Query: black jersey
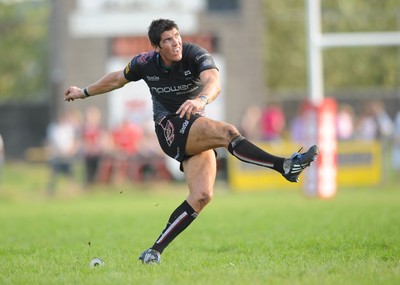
x: 170, y: 88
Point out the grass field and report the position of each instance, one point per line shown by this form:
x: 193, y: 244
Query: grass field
x: 274, y: 237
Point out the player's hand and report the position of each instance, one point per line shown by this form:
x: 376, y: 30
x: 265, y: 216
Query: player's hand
x: 73, y: 93
x: 190, y: 107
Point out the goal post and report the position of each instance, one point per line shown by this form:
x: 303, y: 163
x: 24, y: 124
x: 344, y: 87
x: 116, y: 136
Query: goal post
x: 320, y: 108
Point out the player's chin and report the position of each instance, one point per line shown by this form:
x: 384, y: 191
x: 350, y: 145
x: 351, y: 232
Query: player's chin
x: 177, y: 57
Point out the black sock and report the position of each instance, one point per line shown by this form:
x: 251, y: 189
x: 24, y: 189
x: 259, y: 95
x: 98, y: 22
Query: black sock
x: 180, y: 219
x: 245, y: 151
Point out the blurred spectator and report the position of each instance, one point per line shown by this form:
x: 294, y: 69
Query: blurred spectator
x: 366, y: 127
x: 250, y: 123
x: 2, y: 155
x: 375, y: 124
x: 396, y: 145
x: 148, y: 145
x: 383, y: 120
x: 62, y: 147
x: 345, y: 122
x: 75, y: 119
x: 272, y: 122
x: 92, y: 143
x: 297, y: 128
x: 384, y: 135
x: 126, y: 138
x: 151, y: 159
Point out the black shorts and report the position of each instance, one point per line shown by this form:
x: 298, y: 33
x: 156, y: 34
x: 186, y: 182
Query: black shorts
x: 172, y: 133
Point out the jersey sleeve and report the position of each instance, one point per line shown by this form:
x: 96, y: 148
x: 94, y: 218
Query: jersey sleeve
x: 202, y: 59
x: 132, y: 70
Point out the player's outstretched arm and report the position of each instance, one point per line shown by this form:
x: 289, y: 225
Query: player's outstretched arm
x: 107, y: 83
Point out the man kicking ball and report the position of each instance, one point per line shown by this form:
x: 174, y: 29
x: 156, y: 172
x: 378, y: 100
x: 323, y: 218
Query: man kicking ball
x: 183, y: 79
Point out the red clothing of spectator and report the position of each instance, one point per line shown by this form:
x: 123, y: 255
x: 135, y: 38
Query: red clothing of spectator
x: 92, y: 140
x: 127, y: 138
x: 272, y: 123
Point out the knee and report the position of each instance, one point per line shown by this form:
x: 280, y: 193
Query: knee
x: 202, y: 199
x: 230, y: 132
x: 205, y: 197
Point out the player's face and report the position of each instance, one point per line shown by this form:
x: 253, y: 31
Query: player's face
x: 170, y: 46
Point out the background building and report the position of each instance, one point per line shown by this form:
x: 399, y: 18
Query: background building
x: 101, y: 35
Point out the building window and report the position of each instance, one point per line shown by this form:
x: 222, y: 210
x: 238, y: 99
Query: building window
x: 222, y: 6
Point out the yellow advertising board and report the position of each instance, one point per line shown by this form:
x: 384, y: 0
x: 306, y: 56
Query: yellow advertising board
x: 359, y: 163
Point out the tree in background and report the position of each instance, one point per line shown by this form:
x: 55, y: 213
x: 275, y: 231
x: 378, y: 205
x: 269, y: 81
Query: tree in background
x: 23, y: 48
x: 344, y: 68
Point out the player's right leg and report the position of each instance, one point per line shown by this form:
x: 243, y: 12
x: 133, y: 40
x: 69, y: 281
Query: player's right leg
x: 206, y: 133
x: 298, y: 162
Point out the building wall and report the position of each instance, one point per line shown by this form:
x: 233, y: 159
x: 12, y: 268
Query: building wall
x: 85, y: 62
x: 240, y: 42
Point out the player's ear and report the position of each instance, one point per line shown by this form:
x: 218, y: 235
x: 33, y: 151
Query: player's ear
x: 156, y: 47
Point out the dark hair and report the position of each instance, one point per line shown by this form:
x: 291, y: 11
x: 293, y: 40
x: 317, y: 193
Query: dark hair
x: 157, y: 27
